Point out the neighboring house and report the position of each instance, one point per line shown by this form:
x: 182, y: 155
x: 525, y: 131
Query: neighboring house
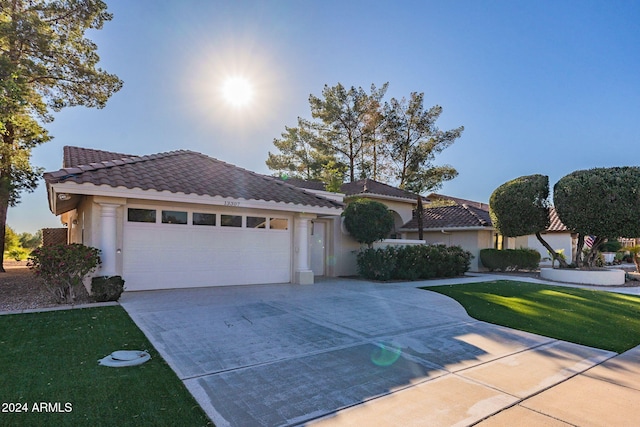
x: 463, y: 225
x: 467, y: 224
x: 183, y: 219
x: 557, y: 235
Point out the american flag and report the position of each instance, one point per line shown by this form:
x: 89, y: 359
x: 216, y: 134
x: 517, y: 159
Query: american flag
x: 588, y: 241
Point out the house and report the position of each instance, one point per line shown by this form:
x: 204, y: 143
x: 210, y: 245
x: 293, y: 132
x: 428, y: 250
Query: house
x: 183, y: 219
x: 464, y: 225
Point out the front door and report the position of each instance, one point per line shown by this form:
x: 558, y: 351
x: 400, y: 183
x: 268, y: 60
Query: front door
x: 317, y: 248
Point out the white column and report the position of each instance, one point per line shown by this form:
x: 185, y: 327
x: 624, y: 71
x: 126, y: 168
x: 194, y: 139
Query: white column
x: 304, y: 275
x: 108, y: 240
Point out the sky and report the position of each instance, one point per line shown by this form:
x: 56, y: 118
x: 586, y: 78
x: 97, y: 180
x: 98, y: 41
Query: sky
x: 541, y: 87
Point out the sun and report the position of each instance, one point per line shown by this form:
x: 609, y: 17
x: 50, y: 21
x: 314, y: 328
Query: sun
x: 237, y: 91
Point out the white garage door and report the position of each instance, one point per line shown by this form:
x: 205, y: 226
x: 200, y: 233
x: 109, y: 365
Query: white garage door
x: 245, y: 250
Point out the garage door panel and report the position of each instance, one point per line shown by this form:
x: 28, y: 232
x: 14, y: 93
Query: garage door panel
x: 163, y: 256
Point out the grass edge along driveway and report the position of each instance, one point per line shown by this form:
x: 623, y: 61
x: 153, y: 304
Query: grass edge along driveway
x: 604, y: 320
x: 51, y: 375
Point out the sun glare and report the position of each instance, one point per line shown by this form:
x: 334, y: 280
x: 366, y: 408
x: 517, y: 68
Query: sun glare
x: 237, y: 91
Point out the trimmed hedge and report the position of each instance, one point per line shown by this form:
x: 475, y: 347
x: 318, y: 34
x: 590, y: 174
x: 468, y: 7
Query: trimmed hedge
x: 510, y: 259
x: 413, y: 262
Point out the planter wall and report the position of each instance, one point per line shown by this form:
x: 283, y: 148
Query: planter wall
x: 584, y: 277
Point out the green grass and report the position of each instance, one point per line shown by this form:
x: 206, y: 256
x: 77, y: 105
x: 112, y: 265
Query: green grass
x: 52, y: 357
x: 604, y: 320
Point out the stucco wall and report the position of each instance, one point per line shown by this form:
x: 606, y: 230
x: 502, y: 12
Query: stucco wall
x: 558, y: 241
x: 344, y: 250
x: 405, y: 210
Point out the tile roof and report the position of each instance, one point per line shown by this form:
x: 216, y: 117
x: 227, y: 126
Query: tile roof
x: 303, y: 183
x: 479, y: 205
x: 364, y: 187
x: 74, y: 156
x: 455, y: 216
x: 178, y: 172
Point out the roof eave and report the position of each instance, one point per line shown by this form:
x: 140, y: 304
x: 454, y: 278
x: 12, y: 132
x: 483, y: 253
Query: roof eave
x: 449, y: 228
x: 61, y: 201
x: 74, y: 189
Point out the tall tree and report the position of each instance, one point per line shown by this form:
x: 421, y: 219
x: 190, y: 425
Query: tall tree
x: 345, y: 122
x: 298, y: 157
x: 46, y: 64
x: 413, y: 140
x: 352, y: 129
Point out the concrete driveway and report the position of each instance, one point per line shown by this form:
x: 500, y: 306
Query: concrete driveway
x: 347, y: 352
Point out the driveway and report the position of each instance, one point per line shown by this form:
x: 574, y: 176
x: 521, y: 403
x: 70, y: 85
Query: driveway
x: 347, y: 352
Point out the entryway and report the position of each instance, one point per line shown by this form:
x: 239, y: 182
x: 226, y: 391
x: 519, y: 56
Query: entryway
x: 318, y: 247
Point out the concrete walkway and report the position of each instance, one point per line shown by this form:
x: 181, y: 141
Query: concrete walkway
x: 348, y: 352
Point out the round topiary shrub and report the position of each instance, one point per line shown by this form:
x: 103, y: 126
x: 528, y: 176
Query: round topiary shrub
x: 367, y: 221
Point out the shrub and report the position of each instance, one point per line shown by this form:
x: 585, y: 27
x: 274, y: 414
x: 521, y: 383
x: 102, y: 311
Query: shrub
x: 377, y: 264
x: 510, y: 259
x: 413, y: 262
x: 611, y: 245
x: 106, y: 288
x: 456, y: 261
x: 62, y: 268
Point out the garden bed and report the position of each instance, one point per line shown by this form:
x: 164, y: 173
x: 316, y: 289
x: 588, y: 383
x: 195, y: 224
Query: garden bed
x: 21, y: 290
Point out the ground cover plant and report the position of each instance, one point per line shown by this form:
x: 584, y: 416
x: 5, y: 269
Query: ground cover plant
x: 49, y: 363
x: 604, y: 320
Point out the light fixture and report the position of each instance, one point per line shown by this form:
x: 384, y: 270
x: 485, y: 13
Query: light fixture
x: 64, y: 196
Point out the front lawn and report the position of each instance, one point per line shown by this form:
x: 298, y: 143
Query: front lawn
x: 604, y: 320
x: 50, y: 373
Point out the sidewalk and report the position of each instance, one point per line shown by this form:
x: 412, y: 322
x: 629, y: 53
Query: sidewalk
x: 604, y: 395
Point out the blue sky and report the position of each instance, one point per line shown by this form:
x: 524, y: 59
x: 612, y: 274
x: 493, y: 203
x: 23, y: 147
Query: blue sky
x: 540, y: 86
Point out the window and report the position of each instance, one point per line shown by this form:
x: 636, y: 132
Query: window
x: 141, y: 215
x: 174, y: 217
x: 204, y: 219
x: 256, y: 222
x: 231, y: 220
x: 279, y: 224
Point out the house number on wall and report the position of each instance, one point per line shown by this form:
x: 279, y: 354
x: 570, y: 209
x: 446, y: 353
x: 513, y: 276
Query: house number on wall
x: 232, y: 203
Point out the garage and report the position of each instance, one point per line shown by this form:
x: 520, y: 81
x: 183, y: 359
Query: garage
x: 172, y: 248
